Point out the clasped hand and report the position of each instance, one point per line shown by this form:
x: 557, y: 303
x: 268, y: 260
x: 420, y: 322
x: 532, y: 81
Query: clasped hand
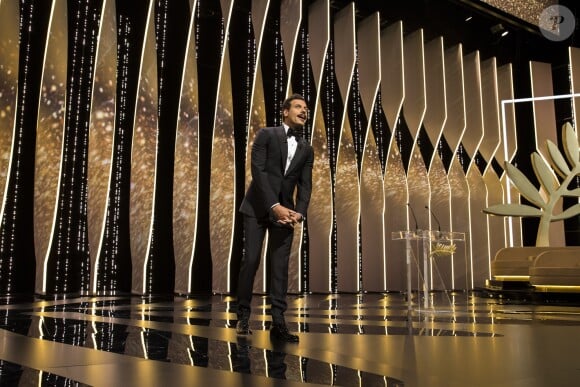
x: 286, y: 216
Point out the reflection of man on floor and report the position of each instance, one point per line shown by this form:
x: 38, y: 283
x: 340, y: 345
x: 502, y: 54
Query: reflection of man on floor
x: 281, y: 164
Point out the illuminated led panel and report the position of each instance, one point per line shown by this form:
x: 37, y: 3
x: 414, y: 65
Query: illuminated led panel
x: 395, y: 178
x: 488, y: 148
x: 186, y: 167
x: 435, y: 116
x: 222, y: 188
x: 545, y: 129
x: 320, y: 208
x: 477, y: 235
x: 49, y: 137
x: 453, y: 132
x: 101, y: 132
x: 143, y: 158
x: 9, y: 49
x: 347, y: 185
x: 371, y: 195
x: 290, y: 19
x: 508, y: 149
x: 257, y: 118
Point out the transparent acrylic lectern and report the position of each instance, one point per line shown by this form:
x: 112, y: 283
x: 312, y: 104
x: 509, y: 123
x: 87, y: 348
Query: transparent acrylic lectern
x: 426, y: 245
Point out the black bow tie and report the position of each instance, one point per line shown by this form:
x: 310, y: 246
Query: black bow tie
x: 293, y: 132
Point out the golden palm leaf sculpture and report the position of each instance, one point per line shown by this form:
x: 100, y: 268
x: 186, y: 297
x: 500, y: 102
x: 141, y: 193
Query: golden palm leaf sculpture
x: 567, y: 168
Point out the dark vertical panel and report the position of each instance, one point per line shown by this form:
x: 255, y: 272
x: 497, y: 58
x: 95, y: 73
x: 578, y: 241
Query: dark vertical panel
x: 317, y: 269
x: 346, y: 188
x: 371, y: 180
x: 273, y: 66
x: 114, y: 270
x: 302, y: 81
x: 9, y: 46
x: 17, y: 258
x: 101, y: 133
x: 210, y: 35
x: 274, y: 75
x: 223, y: 173
x: 171, y: 23
x: 242, y: 50
x: 68, y: 263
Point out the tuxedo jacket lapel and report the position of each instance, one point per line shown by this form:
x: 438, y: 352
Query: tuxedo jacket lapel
x: 283, y: 142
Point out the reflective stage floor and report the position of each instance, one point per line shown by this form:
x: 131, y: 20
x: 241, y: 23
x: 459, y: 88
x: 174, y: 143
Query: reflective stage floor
x: 349, y: 340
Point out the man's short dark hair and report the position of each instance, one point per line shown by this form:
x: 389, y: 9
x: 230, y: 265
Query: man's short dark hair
x: 288, y: 101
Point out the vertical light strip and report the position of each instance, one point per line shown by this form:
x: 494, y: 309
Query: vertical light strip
x: 545, y: 129
x: 489, y: 148
x: 453, y: 131
x: 574, y: 60
x: 144, y: 157
x: 372, y: 197
x: 434, y: 121
x: 347, y: 182
x: 509, y: 145
x: 476, y: 221
x: 414, y: 108
x: 50, y: 134
x: 101, y: 133
x: 222, y: 174
x: 395, y: 181
x: 9, y: 49
x: 256, y: 115
x: 290, y: 22
x: 186, y: 172
x: 320, y: 209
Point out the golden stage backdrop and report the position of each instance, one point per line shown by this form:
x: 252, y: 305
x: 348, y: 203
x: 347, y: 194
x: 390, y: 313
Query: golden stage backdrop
x: 440, y: 158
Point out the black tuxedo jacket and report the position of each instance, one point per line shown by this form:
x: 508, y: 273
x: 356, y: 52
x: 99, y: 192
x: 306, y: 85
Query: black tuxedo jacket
x: 269, y: 183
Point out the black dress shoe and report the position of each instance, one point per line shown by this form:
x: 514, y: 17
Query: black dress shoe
x: 243, y: 327
x: 281, y: 333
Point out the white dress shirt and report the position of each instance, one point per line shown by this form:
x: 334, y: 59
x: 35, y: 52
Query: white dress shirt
x: 292, y: 145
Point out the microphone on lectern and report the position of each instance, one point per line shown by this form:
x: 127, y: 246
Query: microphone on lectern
x: 434, y: 217
x: 414, y: 217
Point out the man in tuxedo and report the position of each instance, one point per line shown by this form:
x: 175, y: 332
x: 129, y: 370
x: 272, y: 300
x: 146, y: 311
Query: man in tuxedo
x: 281, y: 168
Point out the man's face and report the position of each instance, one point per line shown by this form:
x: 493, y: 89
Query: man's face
x: 297, y: 114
